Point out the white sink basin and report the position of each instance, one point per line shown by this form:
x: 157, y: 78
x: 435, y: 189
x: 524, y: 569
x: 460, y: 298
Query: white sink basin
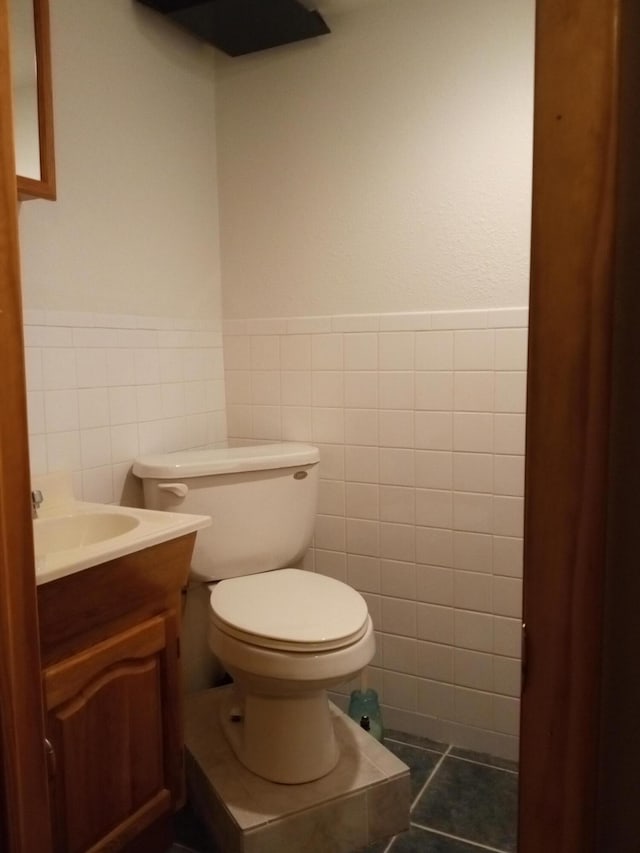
x: 77, y: 531
x: 70, y: 536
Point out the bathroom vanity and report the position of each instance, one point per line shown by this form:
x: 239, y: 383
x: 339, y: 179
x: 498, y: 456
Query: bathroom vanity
x: 109, y: 639
x: 110, y: 650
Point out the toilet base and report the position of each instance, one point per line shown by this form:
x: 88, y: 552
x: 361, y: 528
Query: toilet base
x: 286, y: 739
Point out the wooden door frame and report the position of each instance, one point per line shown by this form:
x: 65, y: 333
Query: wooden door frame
x: 576, y: 262
x: 579, y: 271
x: 24, y: 810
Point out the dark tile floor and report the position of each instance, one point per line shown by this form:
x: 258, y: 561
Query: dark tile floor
x: 463, y: 802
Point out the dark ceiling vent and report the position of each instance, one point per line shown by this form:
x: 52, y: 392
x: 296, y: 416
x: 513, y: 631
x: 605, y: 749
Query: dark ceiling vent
x: 244, y: 26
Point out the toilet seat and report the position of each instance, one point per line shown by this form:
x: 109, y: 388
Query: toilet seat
x: 289, y: 610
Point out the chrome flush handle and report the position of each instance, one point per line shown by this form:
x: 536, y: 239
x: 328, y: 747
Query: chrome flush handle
x: 180, y: 490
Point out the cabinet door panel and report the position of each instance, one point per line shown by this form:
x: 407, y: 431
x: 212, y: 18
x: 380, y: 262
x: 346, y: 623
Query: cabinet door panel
x: 110, y: 729
x: 64, y: 681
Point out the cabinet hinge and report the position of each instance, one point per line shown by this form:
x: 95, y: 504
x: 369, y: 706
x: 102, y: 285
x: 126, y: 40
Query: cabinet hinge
x: 51, y: 757
x: 524, y: 657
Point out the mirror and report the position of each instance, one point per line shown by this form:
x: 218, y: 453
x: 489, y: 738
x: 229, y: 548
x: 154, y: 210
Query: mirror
x: 32, y: 98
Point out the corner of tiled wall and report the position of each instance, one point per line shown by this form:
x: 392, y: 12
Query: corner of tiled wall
x: 420, y: 422
x: 103, y: 389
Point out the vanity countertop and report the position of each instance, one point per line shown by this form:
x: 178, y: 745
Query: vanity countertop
x: 71, y: 535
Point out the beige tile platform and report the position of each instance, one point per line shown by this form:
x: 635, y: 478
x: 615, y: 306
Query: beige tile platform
x: 365, y: 798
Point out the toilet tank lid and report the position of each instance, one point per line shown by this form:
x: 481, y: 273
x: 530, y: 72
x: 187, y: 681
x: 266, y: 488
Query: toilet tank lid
x: 225, y: 460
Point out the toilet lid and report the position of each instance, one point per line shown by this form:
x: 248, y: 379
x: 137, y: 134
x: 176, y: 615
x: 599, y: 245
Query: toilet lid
x: 289, y: 609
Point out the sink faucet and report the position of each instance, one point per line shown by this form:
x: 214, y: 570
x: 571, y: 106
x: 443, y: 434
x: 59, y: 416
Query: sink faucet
x: 36, y: 500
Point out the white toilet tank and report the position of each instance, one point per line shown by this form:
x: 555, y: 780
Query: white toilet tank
x: 262, y: 499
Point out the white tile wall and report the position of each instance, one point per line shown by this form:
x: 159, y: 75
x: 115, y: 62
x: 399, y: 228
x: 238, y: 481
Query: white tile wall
x: 420, y: 423
x: 104, y: 389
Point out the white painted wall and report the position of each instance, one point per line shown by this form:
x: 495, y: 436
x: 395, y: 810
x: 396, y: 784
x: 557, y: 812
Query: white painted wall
x: 134, y: 229
x: 385, y: 167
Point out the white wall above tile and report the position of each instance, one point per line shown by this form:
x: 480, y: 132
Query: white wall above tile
x: 396, y: 192
x: 107, y: 266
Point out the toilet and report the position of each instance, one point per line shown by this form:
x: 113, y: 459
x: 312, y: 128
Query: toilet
x: 284, y: 634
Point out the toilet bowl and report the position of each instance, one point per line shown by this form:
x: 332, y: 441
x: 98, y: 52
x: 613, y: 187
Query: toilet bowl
x: 284, y: 635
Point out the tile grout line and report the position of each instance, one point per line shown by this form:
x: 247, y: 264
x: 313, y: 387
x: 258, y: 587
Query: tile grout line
x: 389, y: 846
x: 429, y: 779
x: 482, y: 764
x: 477, y: 844
x: 414, y: 745
x: 458, y: 757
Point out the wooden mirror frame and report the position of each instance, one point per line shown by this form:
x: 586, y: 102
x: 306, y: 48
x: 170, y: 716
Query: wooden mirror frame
x: 46, y: 186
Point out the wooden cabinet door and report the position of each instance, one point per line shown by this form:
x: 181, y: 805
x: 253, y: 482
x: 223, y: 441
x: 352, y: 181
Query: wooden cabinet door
x: 113, y: 721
